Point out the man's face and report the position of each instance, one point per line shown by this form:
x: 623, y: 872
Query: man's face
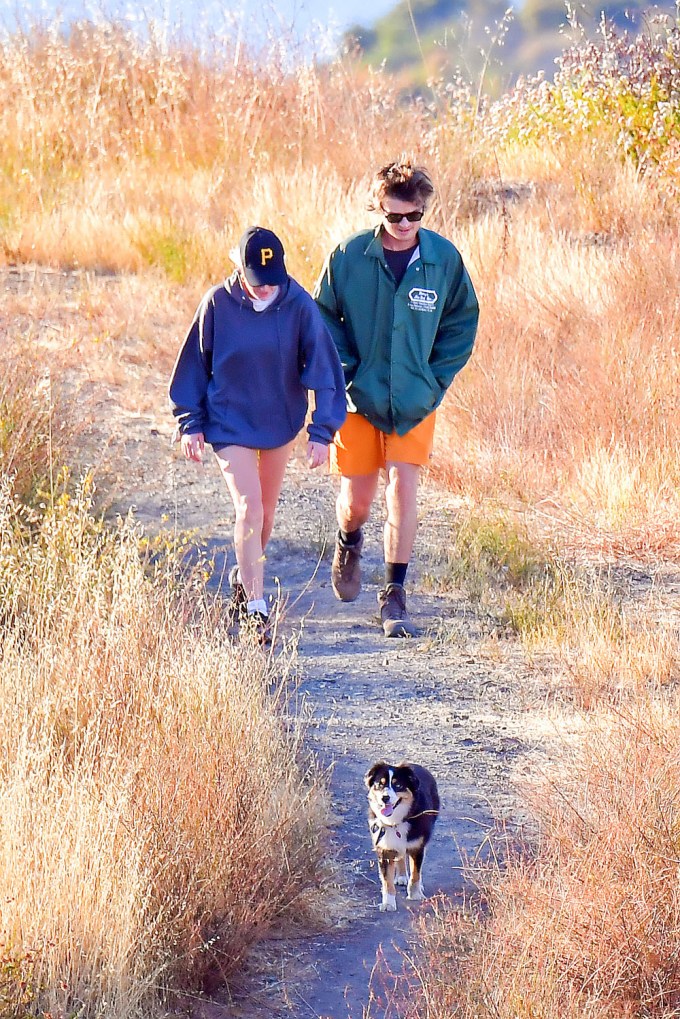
x: 402, y: 234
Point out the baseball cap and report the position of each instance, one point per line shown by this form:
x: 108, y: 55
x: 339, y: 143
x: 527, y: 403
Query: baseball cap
x: 262, y: 258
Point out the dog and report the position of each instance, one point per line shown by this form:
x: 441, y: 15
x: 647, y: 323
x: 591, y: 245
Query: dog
x: 403, y: 805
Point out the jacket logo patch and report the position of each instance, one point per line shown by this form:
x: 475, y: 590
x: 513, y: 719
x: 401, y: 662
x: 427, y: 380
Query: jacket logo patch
x: 422, y: 300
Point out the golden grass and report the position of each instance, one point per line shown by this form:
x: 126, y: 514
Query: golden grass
x: 142, y: 158
x: 157, y: 813
x: 570, y: 405
x: 588, y: 924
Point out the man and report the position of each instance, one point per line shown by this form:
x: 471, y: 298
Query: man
x: 403, y: 314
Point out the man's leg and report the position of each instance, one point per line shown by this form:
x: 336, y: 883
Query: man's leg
x: 401, y: 497
x: 353, y: 505
x: 404, y: 457
x: 353, y: 508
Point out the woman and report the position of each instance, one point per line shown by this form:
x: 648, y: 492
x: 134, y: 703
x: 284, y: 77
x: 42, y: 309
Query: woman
x: 257, y: 344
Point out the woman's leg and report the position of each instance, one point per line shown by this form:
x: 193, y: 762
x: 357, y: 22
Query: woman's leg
x: 254, y: 481
x: 272, y: 469
x: 240, y: 469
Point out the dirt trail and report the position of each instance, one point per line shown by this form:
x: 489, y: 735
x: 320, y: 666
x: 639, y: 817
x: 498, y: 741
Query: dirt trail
x: 452, y: 699
x: 455, y: 698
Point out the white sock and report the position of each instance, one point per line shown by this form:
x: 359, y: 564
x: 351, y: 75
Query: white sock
x: 259, y: 605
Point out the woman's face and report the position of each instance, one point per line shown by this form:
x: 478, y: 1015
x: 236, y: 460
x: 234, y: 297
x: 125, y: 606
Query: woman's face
x: 261, y: 293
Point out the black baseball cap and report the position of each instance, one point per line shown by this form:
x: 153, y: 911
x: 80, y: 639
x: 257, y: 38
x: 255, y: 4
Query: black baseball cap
x: 262, y: 258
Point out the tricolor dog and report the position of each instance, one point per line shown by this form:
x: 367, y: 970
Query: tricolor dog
x: 403, y: 804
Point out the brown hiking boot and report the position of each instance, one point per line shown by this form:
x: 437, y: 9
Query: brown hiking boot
x: 393, y: 614
x: 346, y: 569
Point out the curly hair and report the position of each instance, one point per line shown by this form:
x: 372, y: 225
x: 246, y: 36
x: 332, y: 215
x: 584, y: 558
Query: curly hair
x: 403, y: 180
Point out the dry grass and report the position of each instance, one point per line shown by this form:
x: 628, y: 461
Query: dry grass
x: 125, y: 154
x: 150, y: 159
x: 157, y: 813
x: 570, y: 405
x: 590, y: 926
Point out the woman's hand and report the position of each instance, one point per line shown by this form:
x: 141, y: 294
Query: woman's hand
x: 192, y: 446
x: 317, y: 453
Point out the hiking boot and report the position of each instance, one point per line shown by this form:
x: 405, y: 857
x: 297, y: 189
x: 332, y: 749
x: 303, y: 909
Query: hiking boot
x: 257, y: 625
x: 346, y: 569
x: 393, y: 615
x: 238, y: 605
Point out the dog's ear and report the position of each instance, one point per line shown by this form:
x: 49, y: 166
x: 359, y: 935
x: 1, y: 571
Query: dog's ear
x: 411, y: 780
x: 369, y: 777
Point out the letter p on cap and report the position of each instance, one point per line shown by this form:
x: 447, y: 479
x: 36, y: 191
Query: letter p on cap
x: 266, y: 255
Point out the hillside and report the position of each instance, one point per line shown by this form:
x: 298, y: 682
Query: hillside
x: 420, y: 40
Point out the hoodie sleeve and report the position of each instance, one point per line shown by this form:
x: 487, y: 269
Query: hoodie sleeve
x: 457, y: 330
x: 193, y: 368
x: 325, y: 295
x: 321, y: 372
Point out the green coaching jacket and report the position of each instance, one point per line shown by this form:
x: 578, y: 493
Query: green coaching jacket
x: 400, y: 347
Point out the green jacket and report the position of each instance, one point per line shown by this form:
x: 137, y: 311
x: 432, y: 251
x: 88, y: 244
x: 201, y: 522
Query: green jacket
x: 400, y: 347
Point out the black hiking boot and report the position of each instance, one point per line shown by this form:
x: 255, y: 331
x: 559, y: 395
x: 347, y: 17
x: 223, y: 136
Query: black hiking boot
x: 346, y: 569
x: 238, y: 605
x: 393, y: 615
x: 256, y: 626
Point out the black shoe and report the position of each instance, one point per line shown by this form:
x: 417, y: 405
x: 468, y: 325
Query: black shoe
x: 238, y: 605
x: 393, y: 615
x: 346, y: 569
x: 257, y: 625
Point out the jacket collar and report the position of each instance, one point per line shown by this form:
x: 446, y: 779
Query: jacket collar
x: 374, y: 248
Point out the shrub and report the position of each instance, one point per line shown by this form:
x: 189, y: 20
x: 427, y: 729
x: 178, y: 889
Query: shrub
x: 625, y: 89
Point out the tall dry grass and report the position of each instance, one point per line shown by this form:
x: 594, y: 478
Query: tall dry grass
x: 122, y: 154
x: 571, y: 403
x: 158, y: 814
x: 588, y: 922
x: 151, y: 157
x: 137, y: 155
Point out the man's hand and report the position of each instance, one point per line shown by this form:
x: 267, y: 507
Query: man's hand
x: 192, y: 446
x: 317, y: 453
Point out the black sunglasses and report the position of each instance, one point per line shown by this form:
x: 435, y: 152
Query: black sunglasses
x: 396, y: 217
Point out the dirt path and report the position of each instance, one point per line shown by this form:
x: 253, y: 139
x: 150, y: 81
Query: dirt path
x: 452, y: 699
x: 455, y: 699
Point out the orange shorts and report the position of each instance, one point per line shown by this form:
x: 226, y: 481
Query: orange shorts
x: 361, y: 448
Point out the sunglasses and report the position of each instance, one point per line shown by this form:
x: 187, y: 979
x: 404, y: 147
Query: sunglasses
x: 396, y: 217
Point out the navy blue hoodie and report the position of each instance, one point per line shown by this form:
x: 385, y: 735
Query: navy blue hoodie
x: 242, y: 376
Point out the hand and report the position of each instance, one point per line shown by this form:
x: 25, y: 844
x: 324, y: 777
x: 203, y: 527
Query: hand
x: 192, y: 446
x: 317, y: 453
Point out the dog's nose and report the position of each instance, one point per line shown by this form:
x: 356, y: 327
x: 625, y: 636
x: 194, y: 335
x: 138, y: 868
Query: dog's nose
x: 386, y: 798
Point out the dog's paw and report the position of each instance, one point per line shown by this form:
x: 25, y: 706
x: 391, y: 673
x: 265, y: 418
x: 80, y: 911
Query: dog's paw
x: 389, y: 904
x: 415, y: 893
x: 401, y: 880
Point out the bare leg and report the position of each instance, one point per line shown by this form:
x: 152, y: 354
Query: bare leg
x: 254, y: 488
x: 272, y: 469
x: 353, y: 505
x: 401, y: 497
